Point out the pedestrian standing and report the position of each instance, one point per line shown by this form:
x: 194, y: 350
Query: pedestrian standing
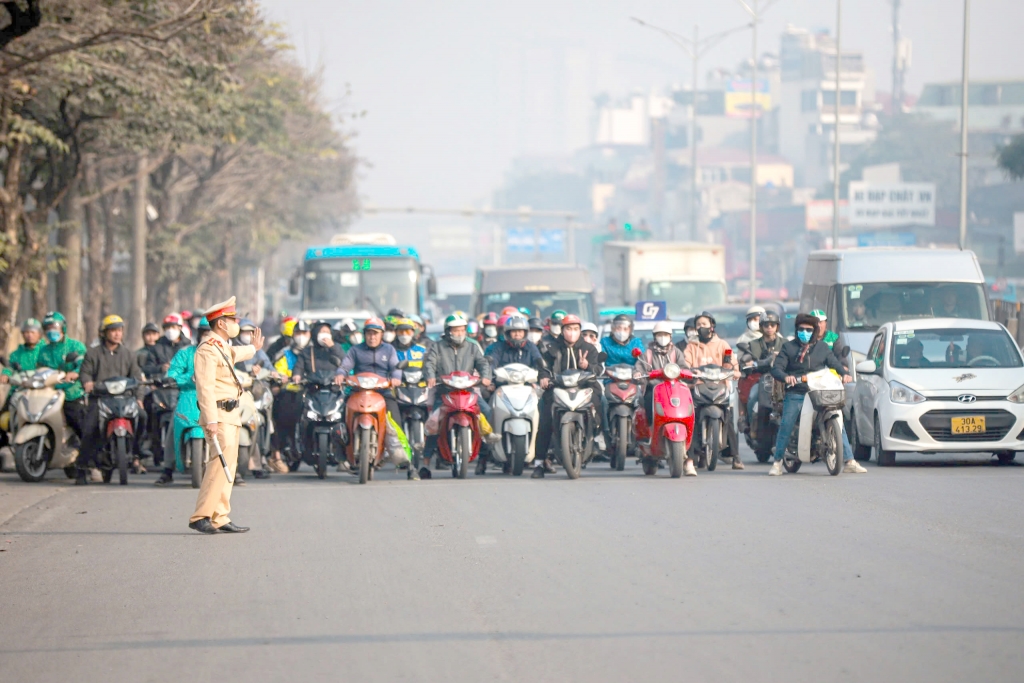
x: 217, y: 392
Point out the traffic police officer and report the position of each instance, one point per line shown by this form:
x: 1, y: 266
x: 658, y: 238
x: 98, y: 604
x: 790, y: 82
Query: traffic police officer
x: 217, y: 392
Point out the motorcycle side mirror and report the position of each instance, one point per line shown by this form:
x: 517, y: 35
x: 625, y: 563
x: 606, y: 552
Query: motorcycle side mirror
x: 637, y: 353
x: 16, y: 365
x: 403, y: 365
x: 743, y: 347
x: 844, y: 352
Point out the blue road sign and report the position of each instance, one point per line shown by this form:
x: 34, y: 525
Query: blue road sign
x: 651, y: 310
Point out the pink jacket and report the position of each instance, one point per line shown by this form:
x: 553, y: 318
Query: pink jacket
x: 712, y: 353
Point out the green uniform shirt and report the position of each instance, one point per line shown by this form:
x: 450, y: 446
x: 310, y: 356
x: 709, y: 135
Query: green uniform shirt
x: 26, y: 358
x: 52, y: 356
x: 830, y: 338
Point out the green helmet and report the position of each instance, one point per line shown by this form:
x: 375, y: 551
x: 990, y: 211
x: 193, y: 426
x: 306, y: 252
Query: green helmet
x: 54, y: 318
x: 556, y: 316
x: 819, y: 314
x: 455, y: 320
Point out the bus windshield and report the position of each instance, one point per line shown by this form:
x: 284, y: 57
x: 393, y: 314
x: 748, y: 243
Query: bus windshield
x: 540, y: 304
x: 867, y: 306
x: 353, y: 284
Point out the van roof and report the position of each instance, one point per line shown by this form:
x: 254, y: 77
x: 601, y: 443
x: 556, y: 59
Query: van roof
x: 902, y: 264
x: 534, y: 277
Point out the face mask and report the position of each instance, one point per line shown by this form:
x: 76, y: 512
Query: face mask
x: 457, y: 337
x: 389, y: 336
x: 691, y: 335
x: 620, y: 335
x: 704, y: 334
x: 753, y: 325
x: 355, y: 338
x: 405, y: 339
x: 245, y: 338
x: 534, y: 336
x: 490, y: 331
x: 323, y: 338
x: 53, y: 335
x: 173, y: 334
x: 571, y: 336
x: 233, y: 329
x: 556, y: 330
x: 663, y: 339
x: 804, y: 336
x: 301, y: 341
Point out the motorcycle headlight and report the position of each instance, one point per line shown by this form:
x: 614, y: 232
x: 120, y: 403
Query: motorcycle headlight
x: 1017, y: 396
x: 333, y: 416
x: 901, y: 393
x: 312, y: 415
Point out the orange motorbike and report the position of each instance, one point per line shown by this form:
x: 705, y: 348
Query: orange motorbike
x: 367, y: 423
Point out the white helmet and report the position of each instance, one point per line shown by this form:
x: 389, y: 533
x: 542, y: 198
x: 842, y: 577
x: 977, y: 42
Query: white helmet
x: 589, y: 327
x: 755, y: 310
x: 663, y: 326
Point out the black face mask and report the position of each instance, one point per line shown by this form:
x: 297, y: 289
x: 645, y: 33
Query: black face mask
x: 704, y: 334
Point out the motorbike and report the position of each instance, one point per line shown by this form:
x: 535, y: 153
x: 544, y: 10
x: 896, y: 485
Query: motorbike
x: 119, y: 422
x: 367, y: 422
x: 254, y: 436
x: 673, y: 418
x: 624, y: 397
x: 819, y: 433
x: 413, y: 399
x: 38, y: 432
x: 163, y: 400
x: 459, y: 437
x: 322, y: 433
x: 712, y: 401
x: 763, y: 424
x: 516, y: 416
x: 573, y: 420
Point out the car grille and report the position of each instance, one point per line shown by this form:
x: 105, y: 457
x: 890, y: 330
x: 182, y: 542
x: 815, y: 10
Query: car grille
x: 978, y: 399
x: 997, y: 424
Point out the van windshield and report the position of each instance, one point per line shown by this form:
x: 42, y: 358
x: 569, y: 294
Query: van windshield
x: 540, y: 304
x: 866, y: 307
x: 686, y: 298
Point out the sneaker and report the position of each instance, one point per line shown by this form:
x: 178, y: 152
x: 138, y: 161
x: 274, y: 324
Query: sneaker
x: 777, y: 469
x: 737, y: 464
x: 164, y: 479
x: 853, y: 467
x: 549, y: 466
x: 688, y: 468
x: 538, y: 473
x: 413, y: 475
x: 95, y: 476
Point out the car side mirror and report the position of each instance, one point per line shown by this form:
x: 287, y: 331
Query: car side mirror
x: 866, y: 367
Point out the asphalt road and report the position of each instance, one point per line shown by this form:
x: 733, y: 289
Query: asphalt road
x: 905, y: 574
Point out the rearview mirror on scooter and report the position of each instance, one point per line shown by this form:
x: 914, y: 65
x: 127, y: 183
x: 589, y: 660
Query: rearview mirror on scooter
x: 844, y: 352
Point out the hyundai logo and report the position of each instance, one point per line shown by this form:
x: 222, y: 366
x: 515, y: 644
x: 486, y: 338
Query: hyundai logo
x: 966, y: 398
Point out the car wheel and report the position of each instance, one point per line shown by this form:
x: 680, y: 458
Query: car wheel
x: 860, y: 451
x: 1006, y: 457
x: 885, y: 458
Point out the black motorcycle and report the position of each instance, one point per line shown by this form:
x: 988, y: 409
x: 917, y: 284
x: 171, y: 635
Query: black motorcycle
x: 414, y: 404
x: 713, y: 420
x: 161, y: 404
x: 321, y: 430
x: 763, y: 423
x: 118, y: 410
x: 574, y: 420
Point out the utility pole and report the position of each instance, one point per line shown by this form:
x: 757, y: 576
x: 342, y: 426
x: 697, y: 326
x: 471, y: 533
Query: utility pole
x: 964, y: 86
x: 835, y: 149
x: 897, y: 69
x: 137, y: 316
x: 696, y: 49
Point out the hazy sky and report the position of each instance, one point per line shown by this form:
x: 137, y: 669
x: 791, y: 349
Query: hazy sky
x: 454, y: 90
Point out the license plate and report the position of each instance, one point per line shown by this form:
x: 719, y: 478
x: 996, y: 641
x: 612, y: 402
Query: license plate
x: 968, y: 425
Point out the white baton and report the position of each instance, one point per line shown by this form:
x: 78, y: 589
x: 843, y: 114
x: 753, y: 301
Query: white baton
x: 223, y: 462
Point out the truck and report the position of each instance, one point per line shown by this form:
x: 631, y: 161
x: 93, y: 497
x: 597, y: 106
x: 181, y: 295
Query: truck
x: 538, y: 288
x: 687, y: 276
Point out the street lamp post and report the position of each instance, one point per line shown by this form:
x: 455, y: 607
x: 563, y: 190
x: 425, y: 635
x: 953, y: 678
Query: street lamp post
x: 835, y: 149
x: 695, y: 48
x: 964, y: 83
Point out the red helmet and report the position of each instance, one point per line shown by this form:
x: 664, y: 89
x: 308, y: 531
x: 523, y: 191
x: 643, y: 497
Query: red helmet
x: 373, y: 324
x: 174, y: 319
x: 502, y: 320
x: 187, y: 315
x: 510, y: 310
x: 490, y: 319
x: 571, y: 319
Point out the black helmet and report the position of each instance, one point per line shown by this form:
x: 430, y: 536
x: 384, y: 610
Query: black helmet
x: 150, y: 327
x: 704, y: 314
x: 690, y: 323
x: 301, y: 326
x: 395, y: 313
x: 536, y: 324
x: 769, y: 317
x: 517, y: 322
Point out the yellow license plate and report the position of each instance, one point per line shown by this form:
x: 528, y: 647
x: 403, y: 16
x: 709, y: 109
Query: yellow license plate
x: 968, y: 425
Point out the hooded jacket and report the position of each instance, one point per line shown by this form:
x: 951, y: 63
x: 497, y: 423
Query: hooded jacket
x: 445, y: 358
x: 316, y: 357
x: 52, y: 356
x: 159, y: 354
x: 712, y: 352
x: 561, y: 357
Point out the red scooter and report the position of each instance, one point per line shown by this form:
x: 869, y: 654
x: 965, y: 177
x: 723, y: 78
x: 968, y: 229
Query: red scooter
x: 458, y: 431
x: 669, y: 439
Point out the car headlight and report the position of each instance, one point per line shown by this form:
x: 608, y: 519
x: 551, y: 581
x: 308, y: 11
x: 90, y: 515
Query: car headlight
x: 1017, y: 396
x: 901, y: 393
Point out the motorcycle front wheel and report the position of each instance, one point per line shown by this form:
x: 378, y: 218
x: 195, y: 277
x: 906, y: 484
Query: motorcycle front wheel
x: 518, y: 454
x: 676, y: 458
x: 712, y: 443
x: 833, y: 444
x: 322, y: 444
x: 30, y: 459
x: 363, y: 454
x: 122, y: 460
x: 464, y: 446
x: 622, y: 446
x: 571, y: 449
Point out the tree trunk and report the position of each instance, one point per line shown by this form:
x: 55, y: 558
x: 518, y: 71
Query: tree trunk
x: 40, y: 302
x: 137, y: 317
x: 12, y: 209
x: 69, y: 283
x: 94, y: 300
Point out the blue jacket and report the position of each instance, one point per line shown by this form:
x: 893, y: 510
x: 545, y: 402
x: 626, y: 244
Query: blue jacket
x: 501, y: 354
x: 381, y: 361
x: 621, y: 353
x: 415, y: 354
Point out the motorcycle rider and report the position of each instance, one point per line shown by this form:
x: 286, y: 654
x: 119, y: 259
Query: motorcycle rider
x: 26, y: 356
x: 554, y: 332
x: 659, y: 353
x: 710, y: 349
x: 186, y: 413
x: 347, y: 334
x: 55, y: 354
x: 619, y: 348
x: 284, y: 341
x: 516, y: 348
x: 803, y: 354
x: 288, y: 403
x: 753, y: 331
x: 568, y: 352
x: 488, y: 329
x: 762, y: 352
x: 406, y: 345
x: 420, y: 333
x: 536, y: 331
x: 390, y: 321
x: 822, y: 331
x: 591, y: 334
x: 322, y: 352
x: 261, y: 360
x: 155, y: 362
x: 108, y: 359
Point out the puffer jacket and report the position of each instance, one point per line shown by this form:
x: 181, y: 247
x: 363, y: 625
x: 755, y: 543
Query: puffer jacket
x: 621, y: 353
x: 561, y: 357
x: 316, y: 357
x: 445, y: 358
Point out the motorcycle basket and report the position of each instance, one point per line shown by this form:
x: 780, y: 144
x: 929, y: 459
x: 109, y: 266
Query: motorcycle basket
x: 827, y: 398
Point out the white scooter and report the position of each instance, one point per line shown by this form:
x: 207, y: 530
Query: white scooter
x: 38, y: 431
x: 819, y: 435
x: 516, y: 416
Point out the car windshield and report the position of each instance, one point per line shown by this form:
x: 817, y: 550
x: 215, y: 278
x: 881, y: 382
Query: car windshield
x: 540, y: 304
x: 868, y: 306
x: 954, y: 348
x: 355, y: 284
x: 730, y: 324
x: 686, y: 298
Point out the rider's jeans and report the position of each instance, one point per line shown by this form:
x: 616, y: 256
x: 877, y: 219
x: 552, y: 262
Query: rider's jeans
x: 751, y: 400
x: 791, y: 408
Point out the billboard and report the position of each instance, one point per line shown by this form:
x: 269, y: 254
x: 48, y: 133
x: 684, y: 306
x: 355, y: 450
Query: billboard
x: 883, y: 205
x: 818, y: 215
x: 737, y: 98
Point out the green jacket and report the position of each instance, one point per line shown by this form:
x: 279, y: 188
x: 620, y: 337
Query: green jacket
x: 52, y: 356
x: 830, y: 338
x: 26, y: 358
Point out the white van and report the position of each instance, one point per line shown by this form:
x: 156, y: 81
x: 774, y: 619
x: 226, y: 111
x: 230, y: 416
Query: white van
x: 862, y: 289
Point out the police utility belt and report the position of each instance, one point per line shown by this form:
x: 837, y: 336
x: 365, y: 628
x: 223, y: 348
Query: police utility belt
x: 229, y: 404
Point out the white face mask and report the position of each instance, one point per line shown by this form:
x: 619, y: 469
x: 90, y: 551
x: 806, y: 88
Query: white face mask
x: 355, y: 338
x: 620, y: 335
x: 534, y: 336
x: 389, y: 336
x: 556, y: 330
x: 662, y: 339
x: 405, y: 339
x: 457, y: 337
x: 323, y: 337
x: 753, y: 325
x: 301, y: 340
x: 245, y: 338
x: 173, y: 334
x: 490, y: 331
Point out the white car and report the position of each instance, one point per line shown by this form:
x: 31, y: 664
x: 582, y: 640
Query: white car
x: 939, y: 385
